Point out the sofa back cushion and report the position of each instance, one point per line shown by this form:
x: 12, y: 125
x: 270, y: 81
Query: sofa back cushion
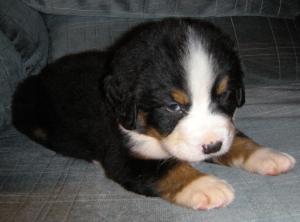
x: 163, y: 8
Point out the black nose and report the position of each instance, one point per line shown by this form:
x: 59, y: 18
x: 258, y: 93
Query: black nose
x: 212, y: 148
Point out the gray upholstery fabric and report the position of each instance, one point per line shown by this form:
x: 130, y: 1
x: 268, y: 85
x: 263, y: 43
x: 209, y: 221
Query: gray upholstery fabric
x: 11, y: 71
x: 25, y: 28
x: 163, y: 8
x: 269, y: 47
x: 23, y: 49
x: 38, y: 185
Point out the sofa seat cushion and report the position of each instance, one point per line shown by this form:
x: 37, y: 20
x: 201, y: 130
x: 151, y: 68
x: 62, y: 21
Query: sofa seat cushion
x: 39, y: 185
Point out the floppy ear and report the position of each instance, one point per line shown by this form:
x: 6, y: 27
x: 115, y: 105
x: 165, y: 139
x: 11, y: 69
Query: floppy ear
x: 121, y: 98
x: 240, y: 96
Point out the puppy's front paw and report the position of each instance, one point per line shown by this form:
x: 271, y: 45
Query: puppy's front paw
x: 205, y: 193
x: 266, y: 161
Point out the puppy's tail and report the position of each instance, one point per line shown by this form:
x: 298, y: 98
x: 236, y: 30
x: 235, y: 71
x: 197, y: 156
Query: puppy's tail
x: 27, y: 109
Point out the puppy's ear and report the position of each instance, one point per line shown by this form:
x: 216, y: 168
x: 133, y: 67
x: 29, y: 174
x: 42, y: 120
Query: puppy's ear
x: 240, y: 96
x: 121, y: 98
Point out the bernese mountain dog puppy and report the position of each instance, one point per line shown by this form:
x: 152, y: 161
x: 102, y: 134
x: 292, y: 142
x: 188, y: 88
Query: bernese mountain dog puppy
x: 160, y: 98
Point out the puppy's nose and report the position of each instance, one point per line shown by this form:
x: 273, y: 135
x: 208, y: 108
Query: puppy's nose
x: 212, y: 148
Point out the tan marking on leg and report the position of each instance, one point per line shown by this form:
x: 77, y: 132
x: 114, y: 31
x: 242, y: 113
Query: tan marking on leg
x: 241, y: 149
x: 180, y: 96
x: 176, y: 179
x: 222, y: 86
x: 40, y: 133
x: 248, y: 155
x: 186, y: 186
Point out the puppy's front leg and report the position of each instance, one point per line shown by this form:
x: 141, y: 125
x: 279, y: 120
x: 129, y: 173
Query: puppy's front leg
x: 247, y: 154
x: 186, y: 186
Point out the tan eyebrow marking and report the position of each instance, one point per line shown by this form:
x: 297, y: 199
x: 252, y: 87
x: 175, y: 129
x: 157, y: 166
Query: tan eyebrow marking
x: 142, y: 118
x: 180, y: 96
x: 222, y: 86
x: 154, y: 133
x: 150, y: 131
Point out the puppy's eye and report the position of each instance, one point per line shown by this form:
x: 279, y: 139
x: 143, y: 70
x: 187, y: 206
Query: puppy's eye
x: 173, y: 107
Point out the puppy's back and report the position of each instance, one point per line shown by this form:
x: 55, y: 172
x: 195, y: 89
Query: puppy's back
x: 63, y: 99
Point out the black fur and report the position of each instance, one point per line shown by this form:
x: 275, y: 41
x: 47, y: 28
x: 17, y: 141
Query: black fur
x: 79, y: 100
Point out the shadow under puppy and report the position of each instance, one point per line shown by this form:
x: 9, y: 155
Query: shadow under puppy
x: 163, y: 96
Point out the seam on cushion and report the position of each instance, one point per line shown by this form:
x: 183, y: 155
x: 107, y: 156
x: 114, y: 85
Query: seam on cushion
x: 38, y: 64
x: 293, y: 46
x: 235, y: 33
x: 279, y: 7
x: 261, y: 7
x: 276, y: 48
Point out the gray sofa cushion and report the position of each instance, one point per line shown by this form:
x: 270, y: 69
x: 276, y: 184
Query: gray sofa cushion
x: 163, y: 8
x: 11, y: 70
x: 269, y: 47
x: 25, y: 28
x: 23, y: 49
x: 38, y: 185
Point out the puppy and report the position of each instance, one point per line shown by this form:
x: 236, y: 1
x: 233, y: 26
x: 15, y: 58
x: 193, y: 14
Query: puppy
x: 163, y: 96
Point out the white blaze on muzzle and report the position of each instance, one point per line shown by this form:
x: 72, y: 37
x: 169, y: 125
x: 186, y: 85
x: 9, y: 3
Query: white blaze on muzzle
x: 201, y: 127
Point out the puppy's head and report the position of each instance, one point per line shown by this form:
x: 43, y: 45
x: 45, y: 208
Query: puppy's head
x: 174, y: 86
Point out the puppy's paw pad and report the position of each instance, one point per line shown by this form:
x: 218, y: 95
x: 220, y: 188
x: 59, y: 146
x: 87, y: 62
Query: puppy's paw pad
x: 206, y: 193
x: 270, y: 162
